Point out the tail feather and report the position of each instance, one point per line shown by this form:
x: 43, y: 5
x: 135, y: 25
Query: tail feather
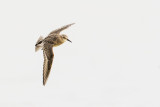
x: 39, y: 44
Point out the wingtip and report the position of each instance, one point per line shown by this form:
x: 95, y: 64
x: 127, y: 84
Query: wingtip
x: 44, y: 83
x: 72, y: 23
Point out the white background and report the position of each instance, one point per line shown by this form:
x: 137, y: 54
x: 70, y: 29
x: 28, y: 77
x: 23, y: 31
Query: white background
x: 114, y: 60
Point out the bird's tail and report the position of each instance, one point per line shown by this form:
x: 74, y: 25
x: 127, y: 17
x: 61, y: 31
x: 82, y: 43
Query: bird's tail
x: 39, y: 44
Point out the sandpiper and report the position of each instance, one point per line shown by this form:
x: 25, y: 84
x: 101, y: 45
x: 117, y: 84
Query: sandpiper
x: 46, y: 44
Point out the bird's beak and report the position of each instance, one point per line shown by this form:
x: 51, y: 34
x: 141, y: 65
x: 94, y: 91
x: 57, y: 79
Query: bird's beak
x: 69, y: 40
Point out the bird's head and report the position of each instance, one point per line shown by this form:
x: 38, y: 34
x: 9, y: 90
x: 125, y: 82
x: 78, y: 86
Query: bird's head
x: 65, y: 37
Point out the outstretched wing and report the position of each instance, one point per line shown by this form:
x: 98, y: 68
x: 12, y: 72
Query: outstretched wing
x: 48, y: 58
x: 57, y: 31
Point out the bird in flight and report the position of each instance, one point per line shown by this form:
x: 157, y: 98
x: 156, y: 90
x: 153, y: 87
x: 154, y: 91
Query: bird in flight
x: 46, y: 44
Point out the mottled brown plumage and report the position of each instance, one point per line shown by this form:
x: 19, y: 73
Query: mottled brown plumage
x: 52, y: 40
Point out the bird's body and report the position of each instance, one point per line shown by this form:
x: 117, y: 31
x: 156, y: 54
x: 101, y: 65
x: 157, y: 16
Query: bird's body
x: 54, y: 39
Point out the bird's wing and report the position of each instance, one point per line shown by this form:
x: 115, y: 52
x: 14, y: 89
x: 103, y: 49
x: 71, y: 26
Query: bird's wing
x: 57, y: 31
x: 48, y: 58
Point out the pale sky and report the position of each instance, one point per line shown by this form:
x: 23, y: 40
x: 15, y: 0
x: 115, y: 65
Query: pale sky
x: 113, y: 60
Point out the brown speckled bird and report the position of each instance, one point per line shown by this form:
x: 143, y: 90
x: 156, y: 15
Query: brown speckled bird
x: 52, y: 40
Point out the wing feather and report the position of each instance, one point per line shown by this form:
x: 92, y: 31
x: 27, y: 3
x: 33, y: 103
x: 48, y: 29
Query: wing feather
x: 57, y: 31
x: 48, y: 59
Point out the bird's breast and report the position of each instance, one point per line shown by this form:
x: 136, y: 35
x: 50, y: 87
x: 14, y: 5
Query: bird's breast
x: 58, y: 42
